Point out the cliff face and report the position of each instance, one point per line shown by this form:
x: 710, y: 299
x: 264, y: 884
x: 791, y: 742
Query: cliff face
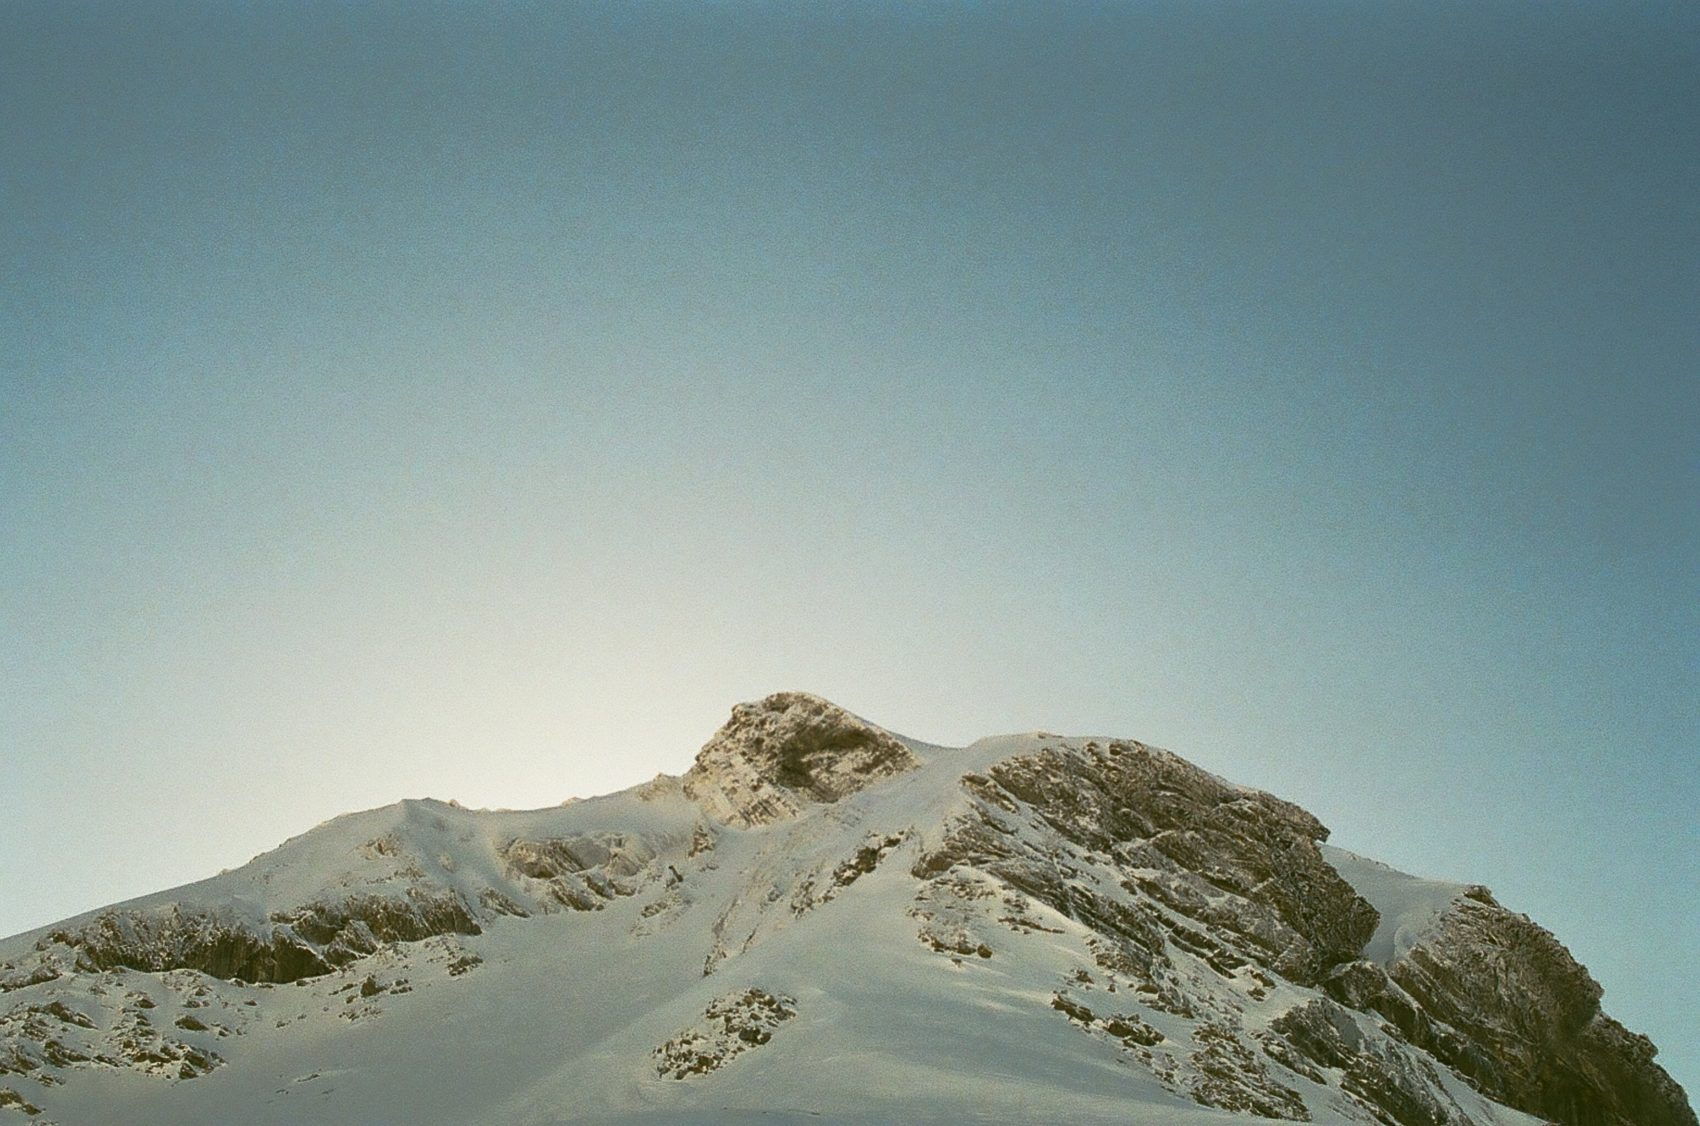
x: 822, y: 915
x: 776, y: 757
x: 1501, y: 1001
x: 1235, y: 878
x: 1240, y: 863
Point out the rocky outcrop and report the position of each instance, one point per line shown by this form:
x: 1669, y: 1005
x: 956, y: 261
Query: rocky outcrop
x: 730, y: 1026
x: 1502, y: 1002
x: 1385, y: 1077
x: 1195, y: 894
x: 583, y: 871
x: 11, y: 1100
x: 778, y: 756
x: 310, y: 940
x: 1229, y: 1076
x: 1229, y: 873
x: 356, y: 925
x: 1170, y: 867
x: 39, y: 1041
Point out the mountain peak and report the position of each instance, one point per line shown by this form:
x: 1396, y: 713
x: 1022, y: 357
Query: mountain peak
x: 823, y: 917
x: 776, y: 756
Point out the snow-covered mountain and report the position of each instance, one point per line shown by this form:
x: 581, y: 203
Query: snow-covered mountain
x: 822, y: 920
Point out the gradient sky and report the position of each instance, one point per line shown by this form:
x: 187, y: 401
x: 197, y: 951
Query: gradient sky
x: 475, y: 401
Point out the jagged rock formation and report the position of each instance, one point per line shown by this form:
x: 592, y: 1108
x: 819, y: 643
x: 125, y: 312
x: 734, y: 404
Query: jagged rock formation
x: 583, y: 871
x: 307, y: 941
x: 39, y: 1040
x: 776, y: 757
x: 822, y: 915
x: 730, y: 1025
x: 1501, y: 1001
x: 1240, y: 863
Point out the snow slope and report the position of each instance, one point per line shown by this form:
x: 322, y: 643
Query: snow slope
x: 1408, y: 905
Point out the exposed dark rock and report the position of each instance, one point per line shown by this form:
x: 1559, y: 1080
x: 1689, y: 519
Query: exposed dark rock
x: 866, y: 859
x: 1522, y: 1021
x: 1233, y: 878
x: 39, y: 1039
x: 11, y: 1100
x: 777, y: 756
x: 1389, y: 1080
x: 1241, y: 863
x: 1366, y: 986
x: 12, y: 978
x: 584, y: 871
x: 1131, y: 1030
x: 306, y: 942
x: 1202, y: 836
x: 731, y: 1025
x: 819, y: 888
x: 1321, y: 1031
x: 614, y: 854
x: 1230, y: 1077
x: 62, y: 1013
x: 1071, y: 1008
x: 359, y: 919
x: 171, y: 939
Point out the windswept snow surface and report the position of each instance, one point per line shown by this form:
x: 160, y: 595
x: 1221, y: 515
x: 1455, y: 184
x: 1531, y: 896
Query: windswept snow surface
x: 1409, y: 905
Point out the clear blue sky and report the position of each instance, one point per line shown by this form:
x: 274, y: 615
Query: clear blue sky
x: 477, y: 400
